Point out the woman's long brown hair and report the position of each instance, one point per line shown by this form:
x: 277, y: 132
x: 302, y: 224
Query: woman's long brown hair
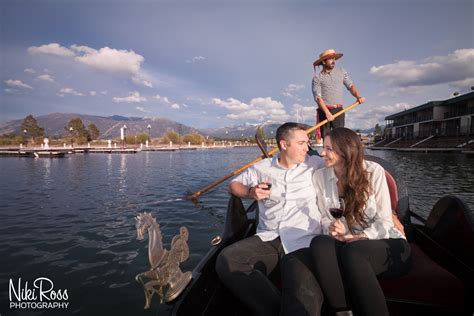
x: 355, y: 184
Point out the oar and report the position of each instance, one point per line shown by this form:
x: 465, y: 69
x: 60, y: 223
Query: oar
x: 271, y: 152
x: 261, y: 142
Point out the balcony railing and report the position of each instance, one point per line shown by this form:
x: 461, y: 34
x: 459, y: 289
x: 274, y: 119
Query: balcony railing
x: 459, y: 112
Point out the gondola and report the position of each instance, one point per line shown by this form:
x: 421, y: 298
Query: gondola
x: 441, y: 281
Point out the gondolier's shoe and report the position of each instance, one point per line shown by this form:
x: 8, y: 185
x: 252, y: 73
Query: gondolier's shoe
x: 344, y: 313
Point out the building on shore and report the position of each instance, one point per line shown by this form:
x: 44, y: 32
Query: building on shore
x: 449, y: 123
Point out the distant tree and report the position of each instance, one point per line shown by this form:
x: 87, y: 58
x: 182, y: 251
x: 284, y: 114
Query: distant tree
x: 172, y: 136
x: 377, y: 129
x: 92, y: 132
x: 137, y: 138
x: 75, y: 128
x: 195, y: 139
x: 30, y: 128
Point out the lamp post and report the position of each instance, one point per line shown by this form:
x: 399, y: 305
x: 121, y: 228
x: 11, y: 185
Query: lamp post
x: 24, y: 133
x: 71, y: 130
x: 124, y: 135
x: 149, y: 132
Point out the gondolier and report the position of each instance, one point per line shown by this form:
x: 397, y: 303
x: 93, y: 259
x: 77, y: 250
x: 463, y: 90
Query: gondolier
x: 327, y: 90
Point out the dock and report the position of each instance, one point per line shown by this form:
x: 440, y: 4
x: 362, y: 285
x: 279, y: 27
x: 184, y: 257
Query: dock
x: 33, y: 153
x: 61, y: 152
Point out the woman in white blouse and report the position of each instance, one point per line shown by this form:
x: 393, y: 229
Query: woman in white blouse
x: 362, y: 244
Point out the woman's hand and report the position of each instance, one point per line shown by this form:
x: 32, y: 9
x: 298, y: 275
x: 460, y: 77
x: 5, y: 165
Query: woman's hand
x: 337, y: 230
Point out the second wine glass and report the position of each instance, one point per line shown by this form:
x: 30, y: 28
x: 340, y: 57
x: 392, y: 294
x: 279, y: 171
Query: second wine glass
x: 338, y: 208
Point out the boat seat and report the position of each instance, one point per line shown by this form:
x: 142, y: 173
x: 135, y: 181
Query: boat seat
x: 427, y: 283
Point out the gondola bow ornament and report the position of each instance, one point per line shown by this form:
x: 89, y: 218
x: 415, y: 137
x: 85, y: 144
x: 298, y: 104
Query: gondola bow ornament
x: 165, y: 273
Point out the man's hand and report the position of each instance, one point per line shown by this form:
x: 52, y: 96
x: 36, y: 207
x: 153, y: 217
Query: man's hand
x: 329, y: 116
x: 259, y: 192
x: 361, y: 100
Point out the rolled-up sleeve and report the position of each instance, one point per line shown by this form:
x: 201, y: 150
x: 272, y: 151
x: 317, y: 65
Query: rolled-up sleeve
x: 346, y: 79
x: 249, y: 177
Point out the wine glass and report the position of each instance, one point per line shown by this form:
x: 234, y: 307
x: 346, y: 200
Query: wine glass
x: 337, y: 207
x: 268, y: 182
x: 265, y: 179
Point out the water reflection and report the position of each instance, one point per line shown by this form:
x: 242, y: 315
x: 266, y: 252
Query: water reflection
x: 430, y: 176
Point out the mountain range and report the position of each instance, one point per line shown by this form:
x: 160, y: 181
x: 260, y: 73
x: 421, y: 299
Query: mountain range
x: 109, y: 126
x: 54, y: 125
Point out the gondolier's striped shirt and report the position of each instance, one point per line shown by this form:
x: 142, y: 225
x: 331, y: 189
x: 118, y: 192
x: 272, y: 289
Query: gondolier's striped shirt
x: 328, y: 85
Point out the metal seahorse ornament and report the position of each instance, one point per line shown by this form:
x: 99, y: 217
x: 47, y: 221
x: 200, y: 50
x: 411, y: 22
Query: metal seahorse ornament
x: 165, y: 277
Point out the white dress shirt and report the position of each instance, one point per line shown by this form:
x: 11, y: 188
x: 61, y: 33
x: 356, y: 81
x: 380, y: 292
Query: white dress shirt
x: 378, y: 209
x: 291, y: 211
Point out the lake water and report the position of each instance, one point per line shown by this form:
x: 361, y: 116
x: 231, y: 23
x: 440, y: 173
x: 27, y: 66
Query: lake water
x: 72, y: 220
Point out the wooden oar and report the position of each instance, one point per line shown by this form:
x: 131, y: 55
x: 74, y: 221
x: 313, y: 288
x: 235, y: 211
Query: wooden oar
x: 271, y: 152
x: 261, y: 142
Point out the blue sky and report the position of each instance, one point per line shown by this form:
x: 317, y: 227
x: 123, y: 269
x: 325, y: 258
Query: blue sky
x: 224, y: 63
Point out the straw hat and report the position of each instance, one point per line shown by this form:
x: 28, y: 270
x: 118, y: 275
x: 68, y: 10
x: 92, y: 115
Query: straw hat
x: 325, y: 55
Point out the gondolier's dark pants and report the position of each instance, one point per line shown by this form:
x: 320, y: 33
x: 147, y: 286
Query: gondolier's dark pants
x: 338, y: 121
x: 348, y: 272
x: 244, y: 268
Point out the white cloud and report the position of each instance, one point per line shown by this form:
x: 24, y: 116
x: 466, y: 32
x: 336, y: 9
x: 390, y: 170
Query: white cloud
x: 105, y: 59
x: 231, y: 104
x: 17, y: 84
x: 112, y: 60
x: 82, y: 49
x: 29, y: 71
x: 46, y: 77
x: 167, y: 101
x: 133, y: 97
x: 292, y: 90
x: 259, y: 109
x: 195, y: 59
x: 92, y: 93
x: 455, y: 67
x: 51, y: 49
x: 70, y: 91
x: 304, y: 114
x: 7, y: 90
x: 358, y: 118
x: 141, y: 81
x: 141, y: 109
x: 103, y: 92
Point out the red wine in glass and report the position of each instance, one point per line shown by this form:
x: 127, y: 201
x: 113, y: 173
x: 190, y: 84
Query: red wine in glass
x: 336, y: 212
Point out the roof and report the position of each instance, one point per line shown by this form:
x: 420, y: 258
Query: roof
x: 467, y: 96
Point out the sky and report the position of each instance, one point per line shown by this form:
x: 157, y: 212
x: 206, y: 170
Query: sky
x: 228, y: 63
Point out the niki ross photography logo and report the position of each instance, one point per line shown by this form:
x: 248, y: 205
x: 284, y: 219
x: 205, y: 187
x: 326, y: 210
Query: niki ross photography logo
x: 40, y: 294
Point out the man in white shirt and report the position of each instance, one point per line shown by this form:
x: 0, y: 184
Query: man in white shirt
x: 288, y: 219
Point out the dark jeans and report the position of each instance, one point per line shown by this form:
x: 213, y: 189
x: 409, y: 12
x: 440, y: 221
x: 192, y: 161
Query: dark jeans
x: 244, y: 268
x: 348, y: 272
x: 338, y: 121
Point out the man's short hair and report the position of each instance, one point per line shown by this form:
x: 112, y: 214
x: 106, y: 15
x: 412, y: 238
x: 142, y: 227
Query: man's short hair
x: 284, y: 131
